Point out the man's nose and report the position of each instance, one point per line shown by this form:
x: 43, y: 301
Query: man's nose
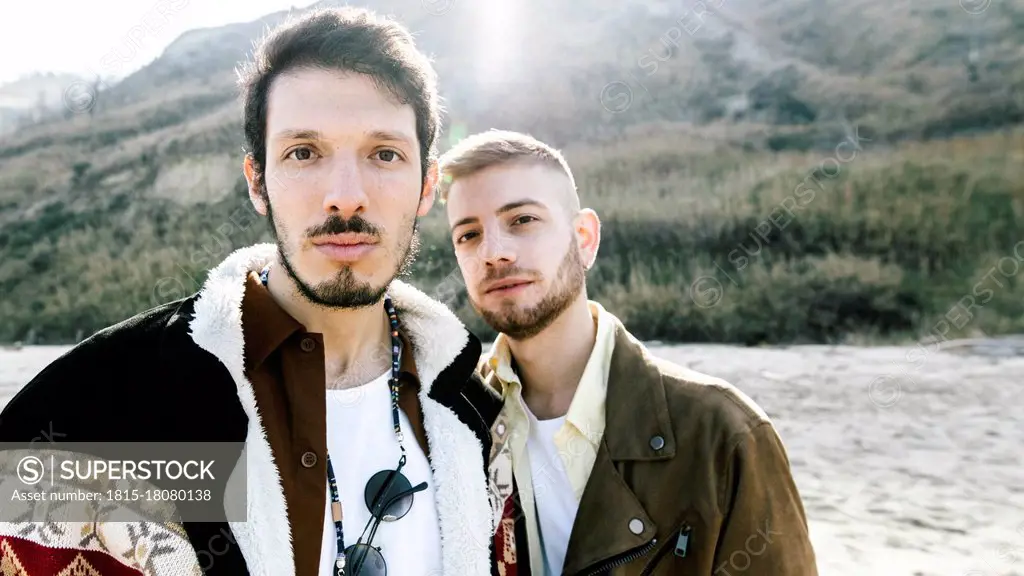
x: 346, y: 191
x: 496, y: 250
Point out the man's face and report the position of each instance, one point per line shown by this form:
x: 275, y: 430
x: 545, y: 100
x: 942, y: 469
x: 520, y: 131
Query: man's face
x: 521, y: 249
x: 343, y: 187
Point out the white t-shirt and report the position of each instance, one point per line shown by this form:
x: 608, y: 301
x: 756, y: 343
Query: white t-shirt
x: 552, y: 491
x: 361, y: 440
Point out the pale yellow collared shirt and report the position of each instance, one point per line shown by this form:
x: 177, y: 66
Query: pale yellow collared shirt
x: 579, y: 437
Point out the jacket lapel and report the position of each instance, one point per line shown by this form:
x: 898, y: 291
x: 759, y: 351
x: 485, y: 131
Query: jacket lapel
x: 456, y: 455
x: 608, y: 514
x: 637, y: 409
x: 265, y: 537
x: 611, y: 520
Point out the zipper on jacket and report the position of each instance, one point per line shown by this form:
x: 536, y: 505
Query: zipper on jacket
x: 621, y: 559
x: 681, y: 548
x: 683, y: 541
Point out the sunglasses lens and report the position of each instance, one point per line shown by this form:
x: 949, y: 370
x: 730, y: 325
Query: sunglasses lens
x: 399, y: 483
x: 364, y: 560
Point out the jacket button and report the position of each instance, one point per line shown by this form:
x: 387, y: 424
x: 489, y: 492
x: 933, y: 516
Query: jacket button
x: 657, y: 442
x: 309, y: 459
x: 636, y: 526
x: 307, y: 344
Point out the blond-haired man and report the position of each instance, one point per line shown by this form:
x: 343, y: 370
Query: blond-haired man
x: 621, y: 461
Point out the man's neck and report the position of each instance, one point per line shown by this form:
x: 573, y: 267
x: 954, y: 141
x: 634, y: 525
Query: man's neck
x: 551, y: 363
x: 357, y: 341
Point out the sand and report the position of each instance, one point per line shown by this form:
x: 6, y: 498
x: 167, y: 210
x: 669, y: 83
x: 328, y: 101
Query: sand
x: 910, y: 461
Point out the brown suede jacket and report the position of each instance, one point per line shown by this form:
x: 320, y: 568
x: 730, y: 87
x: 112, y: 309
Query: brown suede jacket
x: 691, y: 478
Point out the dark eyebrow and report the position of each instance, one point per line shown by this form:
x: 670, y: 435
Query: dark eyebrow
x: 506, y: 208
x: 391, y: 136
x: 307, y: 134
x: 299, y: 134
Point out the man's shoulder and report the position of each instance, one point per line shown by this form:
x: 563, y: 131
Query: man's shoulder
x: 141, y: 333
x: 76, y: 379
x: 694, y: 398
x: 709, y: 402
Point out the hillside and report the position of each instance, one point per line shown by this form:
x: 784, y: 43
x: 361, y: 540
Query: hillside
x: 682, y: 146
x: 33, y: 98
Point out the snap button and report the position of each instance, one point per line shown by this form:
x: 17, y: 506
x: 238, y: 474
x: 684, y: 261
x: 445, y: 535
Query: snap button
x: 501, y: 429
x: 636, y: 526
x: 307, y: 344
x: 657, y: 442
x: 309, y: 459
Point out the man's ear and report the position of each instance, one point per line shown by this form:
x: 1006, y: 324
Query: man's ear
x: 429, y: 189
x: 587, y: 228
x: 255, y: 194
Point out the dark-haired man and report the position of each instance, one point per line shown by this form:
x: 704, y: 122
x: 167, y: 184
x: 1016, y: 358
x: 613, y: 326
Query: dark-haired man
x: 354, y: 393
x: 620, y: 462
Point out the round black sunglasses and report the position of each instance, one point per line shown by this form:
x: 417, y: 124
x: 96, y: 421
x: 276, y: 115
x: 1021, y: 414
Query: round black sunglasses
x: 389, y: 497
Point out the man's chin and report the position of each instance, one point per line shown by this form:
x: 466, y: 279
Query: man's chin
x: 337, y: 286
x: 345, y: 294
x: 510, y: 320
x: 322, y: 269
x: 499, y: 308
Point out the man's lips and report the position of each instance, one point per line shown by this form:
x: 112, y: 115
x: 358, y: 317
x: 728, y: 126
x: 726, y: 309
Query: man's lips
x: 507, y: 285
x: 345, y: 247
x: 345, y: 240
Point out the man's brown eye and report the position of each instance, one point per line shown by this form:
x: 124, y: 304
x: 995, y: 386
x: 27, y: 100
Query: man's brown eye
x: 386, y: 155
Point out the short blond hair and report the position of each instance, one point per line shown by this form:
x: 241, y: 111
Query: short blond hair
x: 492, y: 148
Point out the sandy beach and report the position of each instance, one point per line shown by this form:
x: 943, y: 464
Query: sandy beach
x: 910, y: 460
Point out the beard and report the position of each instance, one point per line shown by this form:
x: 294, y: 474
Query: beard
x: 344, y: 289
x: 524, y: 323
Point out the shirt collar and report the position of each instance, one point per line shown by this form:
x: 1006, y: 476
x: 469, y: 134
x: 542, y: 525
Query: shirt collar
x: 587, y: 410
x: 502, y: 363
x: 265, y: 325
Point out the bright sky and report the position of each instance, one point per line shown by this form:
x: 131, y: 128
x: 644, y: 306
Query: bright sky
x: 81, y: 36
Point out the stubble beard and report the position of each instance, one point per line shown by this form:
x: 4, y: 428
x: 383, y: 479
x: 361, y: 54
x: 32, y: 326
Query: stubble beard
x: 344, y: 290
x: 522, y: 324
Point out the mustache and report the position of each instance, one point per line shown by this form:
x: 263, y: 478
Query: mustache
x: 494, y: 274
x: 337, y: 225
